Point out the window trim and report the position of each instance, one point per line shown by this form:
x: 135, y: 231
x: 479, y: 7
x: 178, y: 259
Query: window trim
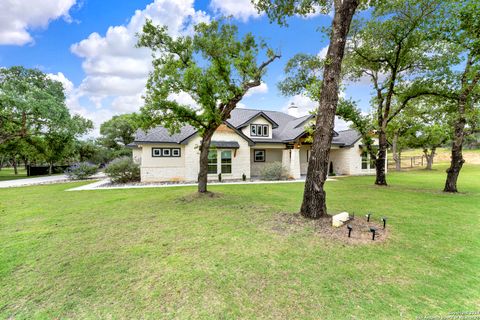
x: 170, y: 152
x: 218, y: 163
x: 259, y: 130
x: 264, y: 155
x: 226, y: 164
x: 176, y: 150
x: 159, y: 152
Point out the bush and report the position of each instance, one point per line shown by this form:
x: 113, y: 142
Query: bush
x: 123, y: 170
x: 81, y: 171
x: 273, y: 171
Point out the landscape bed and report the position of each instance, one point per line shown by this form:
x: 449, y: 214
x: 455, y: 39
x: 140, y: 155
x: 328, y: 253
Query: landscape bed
x: 166, y: 253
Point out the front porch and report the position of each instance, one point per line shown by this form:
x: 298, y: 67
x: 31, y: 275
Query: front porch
x: 295, y: 159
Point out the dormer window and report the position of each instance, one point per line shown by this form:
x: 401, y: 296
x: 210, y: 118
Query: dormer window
x: 259, y: 130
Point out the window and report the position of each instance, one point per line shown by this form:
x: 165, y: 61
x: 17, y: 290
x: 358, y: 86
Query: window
x: 226, y: 157
x: 364, y: 160
x: 258, y: 155
x: 259, y: 130
x: 156, y: 152
x: 166, y: 152
x: 212, y: 161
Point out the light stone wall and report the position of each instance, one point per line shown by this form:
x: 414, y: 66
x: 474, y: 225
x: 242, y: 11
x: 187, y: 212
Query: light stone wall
x: 137, y: 155
x: 154, y: 169
x: 348, y: 161
x: 240, y: 157
x: 271, y: 155
x: 258, y: 120
x: 303, y: 158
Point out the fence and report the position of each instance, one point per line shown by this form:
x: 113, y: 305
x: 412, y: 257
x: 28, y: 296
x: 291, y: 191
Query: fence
x: 408, y: 162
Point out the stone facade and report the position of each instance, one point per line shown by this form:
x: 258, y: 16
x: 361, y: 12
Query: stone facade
x: 293, y: 153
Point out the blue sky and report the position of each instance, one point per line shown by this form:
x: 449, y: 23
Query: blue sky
x: 89, y: 46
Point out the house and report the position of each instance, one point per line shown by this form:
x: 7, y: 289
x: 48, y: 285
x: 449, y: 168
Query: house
x: 243, y: 145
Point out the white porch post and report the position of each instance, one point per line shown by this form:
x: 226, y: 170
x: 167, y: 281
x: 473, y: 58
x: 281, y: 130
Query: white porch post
x: 286, y: 159
x: 295, y: 163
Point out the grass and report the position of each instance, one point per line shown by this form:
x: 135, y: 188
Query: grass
x: 9, y: 174
x: 163, y: 253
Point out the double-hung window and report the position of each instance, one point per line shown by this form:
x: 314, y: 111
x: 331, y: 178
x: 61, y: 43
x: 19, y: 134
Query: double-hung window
x: 226, y: 158
x: 367, y: 162
x: 219, y: 161
x: 212, y: 161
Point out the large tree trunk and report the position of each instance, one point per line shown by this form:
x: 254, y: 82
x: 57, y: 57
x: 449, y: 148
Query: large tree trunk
x: 381, y: 177
x: 50, y: 168
x: 314, y: 198
x: 396, y: 153
x: 203, y: 172
x: 457, y: 160
x: 429, y: 157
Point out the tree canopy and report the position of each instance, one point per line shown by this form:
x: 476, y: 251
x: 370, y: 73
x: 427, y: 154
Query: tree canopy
x: 198, y: 80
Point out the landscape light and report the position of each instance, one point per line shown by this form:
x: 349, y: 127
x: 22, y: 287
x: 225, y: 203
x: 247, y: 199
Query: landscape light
x: 384, y: 220
x: 373, y: 230
x: 349, y: 227
x: 352, y: 217
x: 368, y: 216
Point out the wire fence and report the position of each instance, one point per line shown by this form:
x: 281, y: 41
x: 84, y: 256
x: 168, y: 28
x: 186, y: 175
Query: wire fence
x: 408, y: 162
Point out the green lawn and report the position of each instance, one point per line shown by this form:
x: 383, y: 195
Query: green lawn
x: 162, y: 253
x: 9, y: 174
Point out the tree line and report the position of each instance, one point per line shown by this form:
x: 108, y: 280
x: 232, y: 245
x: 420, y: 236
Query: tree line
x: 37, y: 128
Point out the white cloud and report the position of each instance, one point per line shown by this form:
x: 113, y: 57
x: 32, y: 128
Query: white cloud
x: 239, y: 9
x: 262, y: 88
x: 18, y: 17
x: 323, y: 53
x: 116, y: 71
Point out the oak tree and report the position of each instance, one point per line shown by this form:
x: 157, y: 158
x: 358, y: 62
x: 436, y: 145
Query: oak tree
x: 214, y: 67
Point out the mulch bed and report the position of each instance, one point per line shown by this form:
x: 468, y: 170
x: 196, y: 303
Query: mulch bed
x: 288, y: 223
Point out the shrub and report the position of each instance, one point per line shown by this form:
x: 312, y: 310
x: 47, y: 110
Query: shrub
x: 123, y: 170
x: 273, y: 171
x: 81, y: 171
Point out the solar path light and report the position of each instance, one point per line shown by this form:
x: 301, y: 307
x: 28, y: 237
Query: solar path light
x: 373, y: 231
x: 384, y: 220
x: 368, y: 216
x: 349, y: 227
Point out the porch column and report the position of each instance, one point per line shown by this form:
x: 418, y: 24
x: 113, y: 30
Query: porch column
x: 295, y: 163
x: 286, y: 159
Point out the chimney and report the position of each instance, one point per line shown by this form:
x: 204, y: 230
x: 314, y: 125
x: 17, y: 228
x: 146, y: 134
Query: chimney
x: 293, y: 110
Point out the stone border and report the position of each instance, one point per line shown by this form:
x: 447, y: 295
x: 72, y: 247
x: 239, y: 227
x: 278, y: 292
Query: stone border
x: 104, y: 184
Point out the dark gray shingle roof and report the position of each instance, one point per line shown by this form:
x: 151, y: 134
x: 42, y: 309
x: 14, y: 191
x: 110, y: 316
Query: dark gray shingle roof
x: 289, y: 128
x: 161, y: 134
x: 346, y: 138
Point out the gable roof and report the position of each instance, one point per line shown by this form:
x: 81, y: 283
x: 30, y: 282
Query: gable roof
x: 285, y: 129
x: 346, y: 138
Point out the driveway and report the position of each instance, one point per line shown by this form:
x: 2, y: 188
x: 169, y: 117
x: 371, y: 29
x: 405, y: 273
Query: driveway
x: 40, y: 180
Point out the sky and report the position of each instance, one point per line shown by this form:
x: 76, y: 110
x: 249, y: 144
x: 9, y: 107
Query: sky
x: 89, y: 45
